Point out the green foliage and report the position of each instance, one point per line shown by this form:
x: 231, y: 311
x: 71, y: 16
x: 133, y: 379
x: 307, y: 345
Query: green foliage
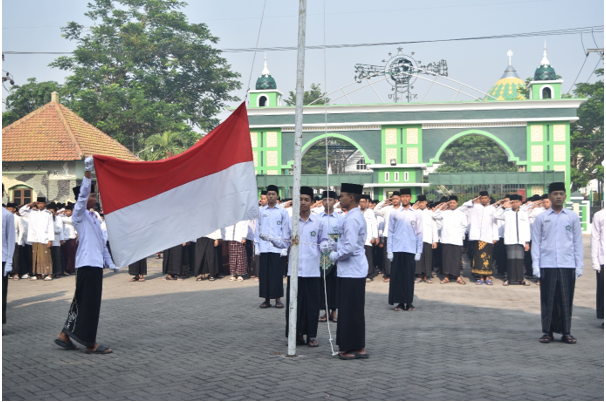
x: 314, y: 160
x: 475, y: 153
x: 24, y: 99
x: 315, y: 92
x: 587, y: 134
x: 142, y: 69
x: 167, y: 144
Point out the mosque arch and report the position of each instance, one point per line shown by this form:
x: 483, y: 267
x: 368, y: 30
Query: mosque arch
x: 321, y: 137
x: 501, y: 143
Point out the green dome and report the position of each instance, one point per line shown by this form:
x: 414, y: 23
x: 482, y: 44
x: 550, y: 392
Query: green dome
x: 266, y: 82
x: 544, y: 71
x: 508, y: 87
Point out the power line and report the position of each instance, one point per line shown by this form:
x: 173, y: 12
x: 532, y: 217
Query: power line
x: 566, y: 31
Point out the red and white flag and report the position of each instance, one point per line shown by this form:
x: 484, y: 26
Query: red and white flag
x: 152, y: 206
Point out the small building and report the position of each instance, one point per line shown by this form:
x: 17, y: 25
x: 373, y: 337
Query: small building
x: 43, y: 153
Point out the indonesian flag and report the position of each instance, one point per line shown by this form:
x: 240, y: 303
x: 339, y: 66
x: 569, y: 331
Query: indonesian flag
x: 153, y: 206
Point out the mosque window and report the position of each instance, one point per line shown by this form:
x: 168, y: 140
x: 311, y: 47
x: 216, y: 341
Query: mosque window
x: 22, y: 195
x: 262, y: 101
x: 361, y: 164
x: 546, y: 93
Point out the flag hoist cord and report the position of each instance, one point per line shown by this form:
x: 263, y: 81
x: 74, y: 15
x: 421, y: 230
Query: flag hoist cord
x: 323, y: 275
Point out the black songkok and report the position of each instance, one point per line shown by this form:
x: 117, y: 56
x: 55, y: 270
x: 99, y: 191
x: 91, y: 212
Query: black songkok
x: 421, y: 197
x: 405, y: 191
x: 396, y: 193
x: 41, y: 199
x: 545, y: 196
x: 307, y: 191
x: 263, y: 192
x: 351, y: 188
x: 273, y: 188
x: 557, y: 186
x: 329, y: 194
x: 453, y: 197
x: 483, y: 193
x: 11, y: 205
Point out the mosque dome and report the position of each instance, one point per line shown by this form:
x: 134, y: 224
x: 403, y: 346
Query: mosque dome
x: 265, y: 81
x: 545, y: 71
x: 509, y: 86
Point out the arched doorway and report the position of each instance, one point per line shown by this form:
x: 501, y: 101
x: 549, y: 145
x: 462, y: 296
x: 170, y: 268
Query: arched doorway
x: 344, y: 155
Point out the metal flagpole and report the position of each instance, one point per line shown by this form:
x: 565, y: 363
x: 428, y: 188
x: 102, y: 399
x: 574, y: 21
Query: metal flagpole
x: 296, y: 190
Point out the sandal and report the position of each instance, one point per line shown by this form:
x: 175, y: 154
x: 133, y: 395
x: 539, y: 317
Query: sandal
x: 399, y: 307
x: 211, y: 279
x: 334, y: 318
x: 279, y: 305
x: 417, y: 280
x: 134, y: 279
x: 385, y: 279
x: 66, y: 346
x: 323, y: 318
x: 445, y: 280
x: 369, y: 280
x: 168, y: 278
x: 265, y: 305
x: 232, y: 278
x: 101, y: 350
x: 525, y: 283
x: 546, y: 338
x: 240, y: 279
x: 200, y: 278
x: 313, y: 343
x: 506, y: 283
x: 429, y: 280
x: 479, y: 282
x: 489, y: 282
x: 461, y: 281
x: 142, y: 279
x: 569, y: 339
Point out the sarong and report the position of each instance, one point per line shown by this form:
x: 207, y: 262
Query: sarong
x: 387, y: 263
x: 500, y: 256
x: 402, y: 283
x: 308, y: 306
x: 557, y: 293
x: 599, y: 299
x: 271, y: 282
x: 4, y: 293
x: 351, y: 326
x: 425, y: 264
x: 482, y: 258
x: 237, y: 258
x: 83, y: 317
x: 174, y: 261
x: 138, y: 268
x: 204, y: 257
x: 371, y: 264
x: 42, y: 262
x: 451, y: 260
x: 57, y: 260
x: 70, y: 247
x: 331, y: 288
x: 515, y: 263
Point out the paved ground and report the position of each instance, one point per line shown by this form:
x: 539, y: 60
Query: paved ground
x: 210, y: 341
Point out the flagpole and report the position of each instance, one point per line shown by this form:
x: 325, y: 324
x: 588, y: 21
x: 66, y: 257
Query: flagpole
x: 296, y: 191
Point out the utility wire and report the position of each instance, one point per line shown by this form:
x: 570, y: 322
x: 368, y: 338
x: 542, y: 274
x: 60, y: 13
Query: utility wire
x: 567, y: 31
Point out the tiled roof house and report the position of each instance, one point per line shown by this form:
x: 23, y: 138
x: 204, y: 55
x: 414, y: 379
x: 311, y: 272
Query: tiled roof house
x: 43, y: 153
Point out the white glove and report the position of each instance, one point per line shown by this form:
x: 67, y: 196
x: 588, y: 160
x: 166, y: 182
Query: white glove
x: 418, y: 257
x: 598, y: 268
x: 114, y: 268
x: 324, y: 247
x: 89, y: 164
x: 257, y: 251
x: 578, y: 272
x: 264, y: 237
x: 284, y: 252
x: 536, y: 271
x: 332, y: 244
x: 333, y: 256
x: 8, y: 267
x: 390, y: 256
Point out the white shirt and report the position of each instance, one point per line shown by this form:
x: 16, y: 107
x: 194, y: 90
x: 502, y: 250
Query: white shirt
x: 597, y: 239
x: 24, y: 222
x: 250, y: 234
x: 380, y: 224
x: 430, y: 227
x: 236, y: 232
x: 481, y: 220
x: 405, y: 231
x: 351, y: 258
x: 69, y: 232
x: 18, y: 228
x: 372, y: 229
x: 58, y: 223
x: 41, y: 228
x: 92, y: 249
x: 272, y: 222
x: 532, y: 215
x: 8, y: 240
x: 454, y: 224
x: 516, y: 224
x: 216, y: 235
x: 385, y: 212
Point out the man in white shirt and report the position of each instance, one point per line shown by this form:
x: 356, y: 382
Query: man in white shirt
x: 424, y: 267
x: 597, y: 260
x: 41, y: 234
x: 483, y: 234
x: 454, y: 223
x: 56, y: 256
x: 385, y: 209
x: 70, y: 244
x: 351, y: 273
x: 8, y: 249
x: 83, y: 317
x: 372, y: 233
x: 516, y: 238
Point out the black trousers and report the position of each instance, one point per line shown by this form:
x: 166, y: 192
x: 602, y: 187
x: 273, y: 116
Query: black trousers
x: 599, y: 308
x: 557, y: 294
x: 402, y: 282
x: 83, y: 317
x: 371, y: 265
x: 351, y: 326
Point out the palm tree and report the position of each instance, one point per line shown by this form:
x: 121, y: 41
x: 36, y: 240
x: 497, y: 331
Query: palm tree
x: 165, y: 145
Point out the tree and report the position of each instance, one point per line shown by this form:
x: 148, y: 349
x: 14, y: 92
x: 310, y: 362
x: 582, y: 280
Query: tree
x: 314, y: 93
x: 165, y: 145
x: 587, y: 134
x: 143, y: 69
x: 475, y: 153
x: 26, y: 98
x: 314, y: 160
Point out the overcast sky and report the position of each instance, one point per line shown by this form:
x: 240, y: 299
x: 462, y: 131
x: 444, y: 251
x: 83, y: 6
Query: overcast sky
x: 34, y: 25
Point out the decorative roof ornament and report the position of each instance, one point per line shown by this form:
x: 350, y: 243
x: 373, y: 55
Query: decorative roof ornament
x: 265, y: 81
x: 545, y: 71
x: 509, y: 86
x: 509, y: 54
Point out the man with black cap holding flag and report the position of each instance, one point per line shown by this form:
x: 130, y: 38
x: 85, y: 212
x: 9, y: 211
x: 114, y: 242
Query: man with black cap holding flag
x: 41, y: 233
x: 404, y: 247
x: 312, y: 241
x: 83, y: 317
x: 557, y: 258
x: 454, y: 223
x: 424, y: 266
x: 273, y: 223
x: 352, y: 271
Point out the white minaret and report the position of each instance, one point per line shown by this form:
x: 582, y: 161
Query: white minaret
x: 265, y: 69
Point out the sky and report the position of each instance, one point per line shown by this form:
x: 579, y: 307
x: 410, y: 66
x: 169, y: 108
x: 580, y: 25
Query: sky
x: 34, y: 25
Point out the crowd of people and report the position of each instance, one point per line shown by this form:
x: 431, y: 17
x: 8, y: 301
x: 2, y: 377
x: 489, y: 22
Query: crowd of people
x: 345, y: 241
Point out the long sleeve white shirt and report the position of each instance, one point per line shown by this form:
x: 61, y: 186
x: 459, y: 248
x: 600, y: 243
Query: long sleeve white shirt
x: 272, y: 222
x: 18, y: 229
x: 532, y: 215
x: 351, y: 258
x: 236, y: 232
x: 481, y: 222
x: 8, y: 240
x: 69, y: 232
x: 92, y: 249
x: 516, y: 224
x: 372, y: 228
x: 597, y: 239
x: 430, y: 227
x: 454, y: 224
x: 58, y: 224
x: 25, y: 225
x: 216, y: 235
x: 385, y: 212
x: 41, y: 228
x: 405, y: 231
